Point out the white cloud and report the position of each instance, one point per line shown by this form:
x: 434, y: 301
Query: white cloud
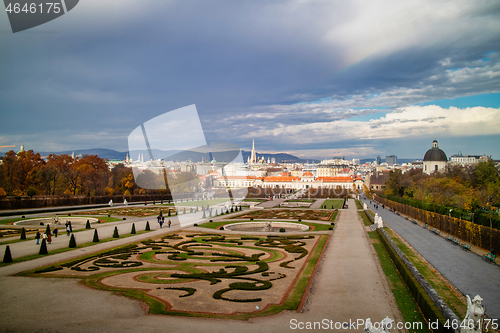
x: 413, y: 121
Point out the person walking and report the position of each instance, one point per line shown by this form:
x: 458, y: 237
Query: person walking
x: 49, y: 238
x: 169, y: 223
x: 55, y: 232
x: 37, y: 237
x: 67, y: 230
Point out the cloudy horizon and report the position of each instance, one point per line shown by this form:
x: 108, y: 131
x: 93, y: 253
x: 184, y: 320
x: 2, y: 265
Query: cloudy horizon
x: 315, y: 78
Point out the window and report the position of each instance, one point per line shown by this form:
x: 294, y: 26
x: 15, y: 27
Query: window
x: 436, y: 167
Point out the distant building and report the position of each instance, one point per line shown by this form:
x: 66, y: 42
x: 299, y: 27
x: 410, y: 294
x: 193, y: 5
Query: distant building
x: 376, y: 181
x: 435, y: 159
x: 391, y: 159
x: 379, y: 160
x: 468, y: 159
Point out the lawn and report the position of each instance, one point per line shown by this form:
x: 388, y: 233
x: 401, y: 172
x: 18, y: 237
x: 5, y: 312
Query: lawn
x: 194, y: 274
x: 292, y: 214
x: 217, y: 225
x: 15, y: 219
x: 333, y: 203
x: 404, y: 299
x: 65, y: 249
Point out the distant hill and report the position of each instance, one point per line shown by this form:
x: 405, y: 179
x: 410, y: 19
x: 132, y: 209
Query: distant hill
x: 175, y: 155
x: 400, y: 160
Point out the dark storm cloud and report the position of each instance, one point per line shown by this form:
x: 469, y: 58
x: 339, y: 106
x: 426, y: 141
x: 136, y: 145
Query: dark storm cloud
x: 249, y: 66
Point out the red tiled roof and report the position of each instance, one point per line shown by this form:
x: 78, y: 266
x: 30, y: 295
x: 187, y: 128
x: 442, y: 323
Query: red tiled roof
x: 335, y: 179
x: 307, y: 174
x: 280, y: 179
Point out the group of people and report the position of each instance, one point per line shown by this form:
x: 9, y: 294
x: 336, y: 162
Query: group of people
x: 47, y: 235
x: 161, y: 221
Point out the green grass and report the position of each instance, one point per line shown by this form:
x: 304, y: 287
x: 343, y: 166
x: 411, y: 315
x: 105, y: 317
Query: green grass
x: 15, y: 219
x: 255, y: 200
x: 210, y: 202
x: 359, y: 204
x: 217, y: 225
x: 292, y: 301
x: 455, y: 304
x: 301, y: 200
x: 334, y: 216
x: 104, y: 218
x: 65, y: 249
x: 336, y: 203
x: 407, y: 305
x: 365, y: 218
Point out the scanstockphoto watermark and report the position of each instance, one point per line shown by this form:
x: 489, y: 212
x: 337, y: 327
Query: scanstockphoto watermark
x: 358, y: 324
x: 388, y: 324
x: 26, y: 14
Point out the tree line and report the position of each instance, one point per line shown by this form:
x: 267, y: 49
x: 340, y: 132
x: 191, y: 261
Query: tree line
x: 470, y: 192
x: 27, y: 174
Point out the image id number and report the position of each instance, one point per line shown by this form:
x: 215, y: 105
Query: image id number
x: 48, y: 7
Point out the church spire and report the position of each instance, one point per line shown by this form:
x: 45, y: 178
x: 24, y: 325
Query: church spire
x: 253, y: 159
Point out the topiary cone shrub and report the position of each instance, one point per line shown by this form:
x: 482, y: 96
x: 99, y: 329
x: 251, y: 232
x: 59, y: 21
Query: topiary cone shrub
x: 330, y: 228
x: 115, y: 233
x: 195, y: 225
x: 72, y: 241
x: 87, y: 226
x: 147, y: 226
x: 23, y: 233
x: 47, y: 230
x: 133, y: 229
x: 169, y: 214
x: 96, y: 237
x: 333, y: 223
x: 7, y: 257
x: 300, y: 220
x: 251, y: 219
x: 211, y: 221
x: 43, y: 247
x: 204, y: 216
x: 221, y: 228
x: 282, y: 230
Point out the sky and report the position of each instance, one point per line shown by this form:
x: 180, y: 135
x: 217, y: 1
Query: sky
x: 312, y: 78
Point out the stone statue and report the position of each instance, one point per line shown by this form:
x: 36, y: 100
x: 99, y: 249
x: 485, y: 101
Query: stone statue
x: 383, y: 327
x: 474, y: 318
x: 268, y: 227
x: 111, y: 203
x: 365, y: 206
x: 125, y: 202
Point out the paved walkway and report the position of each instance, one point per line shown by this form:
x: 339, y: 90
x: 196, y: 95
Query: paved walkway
x: 348, y: 286
x: 317, y: 204
x: 465, y: 270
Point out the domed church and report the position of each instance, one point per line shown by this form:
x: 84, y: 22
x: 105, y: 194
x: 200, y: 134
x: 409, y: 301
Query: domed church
x: 435, y: 159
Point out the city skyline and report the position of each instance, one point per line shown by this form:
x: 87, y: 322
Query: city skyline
x: 314, y: 79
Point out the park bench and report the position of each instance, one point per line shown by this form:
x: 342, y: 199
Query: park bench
x: 456, y: 241
x: 466, y: 246
x: 436, y: 231
x: 414, y: 221
x: 489, y: 257
x: 449, y: 238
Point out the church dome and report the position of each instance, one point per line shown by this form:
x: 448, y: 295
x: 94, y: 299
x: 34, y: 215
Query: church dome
x: 435, y: 154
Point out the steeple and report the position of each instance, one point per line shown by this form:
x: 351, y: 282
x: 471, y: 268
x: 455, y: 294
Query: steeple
x: 253, y: 159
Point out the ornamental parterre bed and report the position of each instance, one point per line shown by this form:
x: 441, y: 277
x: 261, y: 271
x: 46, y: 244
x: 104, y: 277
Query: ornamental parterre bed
x: 204, y: 275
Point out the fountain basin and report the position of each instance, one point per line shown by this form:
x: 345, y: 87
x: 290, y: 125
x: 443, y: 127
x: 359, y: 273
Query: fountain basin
x: 266, y: 226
